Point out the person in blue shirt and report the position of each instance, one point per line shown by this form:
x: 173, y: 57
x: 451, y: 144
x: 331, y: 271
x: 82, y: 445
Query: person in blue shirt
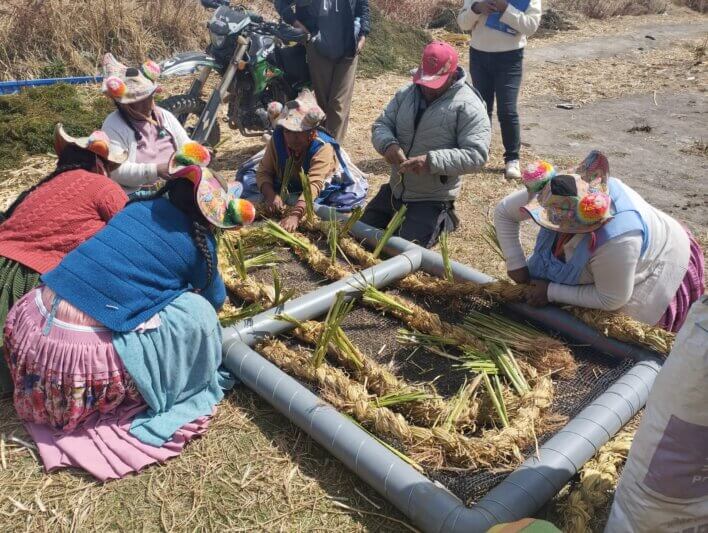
x: 126, y: 327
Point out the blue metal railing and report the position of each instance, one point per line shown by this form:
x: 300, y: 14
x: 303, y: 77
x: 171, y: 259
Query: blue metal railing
x: 14, y: 86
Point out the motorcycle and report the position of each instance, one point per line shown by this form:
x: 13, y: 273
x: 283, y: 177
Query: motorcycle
x: 259, y: 62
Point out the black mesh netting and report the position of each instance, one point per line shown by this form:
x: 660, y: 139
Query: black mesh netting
x: 375, y: 334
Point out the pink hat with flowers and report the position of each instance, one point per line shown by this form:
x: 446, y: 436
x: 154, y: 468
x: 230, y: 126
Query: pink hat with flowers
x: 98, y: 142
x: 576, y: 202
x: 217, y: 198
x: 127, y: 85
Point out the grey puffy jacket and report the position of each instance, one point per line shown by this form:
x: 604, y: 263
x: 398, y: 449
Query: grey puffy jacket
x: 453, y: 130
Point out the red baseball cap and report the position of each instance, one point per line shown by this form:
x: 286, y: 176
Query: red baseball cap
x: 438, y: 64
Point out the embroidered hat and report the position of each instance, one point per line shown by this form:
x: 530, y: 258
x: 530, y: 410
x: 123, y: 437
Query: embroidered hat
x: 98, y: 143
x: 127, y: 85
x: 217, y: 198
x: 301, y: 114
x: 576, y: 202
x: 438, y: 64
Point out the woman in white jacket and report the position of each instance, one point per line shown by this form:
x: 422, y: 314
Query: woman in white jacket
x: 499, y: 32
x: 601, y: 246
x: 147, y: 132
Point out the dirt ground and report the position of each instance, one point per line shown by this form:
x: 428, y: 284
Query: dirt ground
x: 254, y: 471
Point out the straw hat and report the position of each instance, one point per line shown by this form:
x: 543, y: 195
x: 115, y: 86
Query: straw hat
x: 218, y: 199
x: 98, y: 143
x: 127, y: 85
x: 577, y: 202
x: 301, y: 114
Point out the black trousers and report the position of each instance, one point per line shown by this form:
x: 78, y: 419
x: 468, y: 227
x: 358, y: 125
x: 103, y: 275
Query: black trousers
x: 424, y: 220
x: 499, y: 74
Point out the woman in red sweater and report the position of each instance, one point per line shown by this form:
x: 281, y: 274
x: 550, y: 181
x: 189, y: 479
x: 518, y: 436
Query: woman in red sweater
x: 52, y: 218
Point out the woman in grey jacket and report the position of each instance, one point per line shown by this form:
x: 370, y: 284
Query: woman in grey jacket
x: 432, y: 132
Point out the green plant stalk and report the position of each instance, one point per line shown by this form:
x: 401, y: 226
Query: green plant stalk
x: 490, y: 237
x: 289, y: 168
x: 280, y: 296
x: 333, y: 239
x: 390, y: 448
x: 266, y: 259
x: 391, y: 228
x: 354, y: 217
x: 374, y: 296
x: 400, y: 398
x: 430, y: 343
x: 241, y: 314
x: 445, y: 252
x: 307, y: 194
x: 347, y: 347
x: 500, y: 396
x: 274, y: 230
x: 495, y: 400
x: 336, y: 314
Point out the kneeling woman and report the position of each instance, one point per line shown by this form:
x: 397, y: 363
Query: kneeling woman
x: 115, y: 359
x: 601, y: 246
x: 299, y: 145
x: 50, y: 219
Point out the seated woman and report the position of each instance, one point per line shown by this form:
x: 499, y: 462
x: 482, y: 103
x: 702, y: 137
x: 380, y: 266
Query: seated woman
x: 52, y: 218
x: 147, y: 132
x: 601, y: 246
x: 298, y: 145
x: 115, y: 359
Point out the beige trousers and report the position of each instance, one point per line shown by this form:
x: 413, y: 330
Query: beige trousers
x: 333, y: 83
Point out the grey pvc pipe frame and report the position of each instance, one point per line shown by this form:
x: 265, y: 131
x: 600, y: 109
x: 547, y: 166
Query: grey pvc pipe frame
x: 428, y: 505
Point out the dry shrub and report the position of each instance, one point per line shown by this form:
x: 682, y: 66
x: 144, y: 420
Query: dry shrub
x: 697, y: 5
x: 602, y: 9
x: 62, y: 37
x: 408, y: 12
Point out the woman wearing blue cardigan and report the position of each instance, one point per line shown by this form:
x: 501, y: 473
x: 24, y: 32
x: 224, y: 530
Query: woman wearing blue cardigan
x: 115, y: 359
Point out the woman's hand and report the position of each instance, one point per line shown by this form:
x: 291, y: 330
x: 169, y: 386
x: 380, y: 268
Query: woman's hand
x: 485, y: 7
x: 537, y: 293
x: 520, y: 275
x: 360, y: 44
x: 274, y: 206
x: 290, y: 223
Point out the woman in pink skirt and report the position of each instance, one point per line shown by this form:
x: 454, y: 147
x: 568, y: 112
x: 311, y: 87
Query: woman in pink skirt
x: 115, y: 359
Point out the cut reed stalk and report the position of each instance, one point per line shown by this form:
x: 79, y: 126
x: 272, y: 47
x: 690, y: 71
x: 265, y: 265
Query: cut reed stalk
x: 445, y: 253
x: 307, y: 194
x: 489, y: 235
x: 332, y: 326
x: 392, y: 227
x: 230, y: 314
x: 354, y: 217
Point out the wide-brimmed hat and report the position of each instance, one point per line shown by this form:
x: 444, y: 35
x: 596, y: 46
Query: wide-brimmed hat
x: 574, y: 202
x: 301, y: 114
x: 218, y: 199
x: 127, y: 85
x: 98, y: 142
x: 439, y: 62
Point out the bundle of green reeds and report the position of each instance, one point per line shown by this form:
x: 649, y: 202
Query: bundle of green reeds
x: 546, y: 354
x: 332, y: 326
x: 307, y: 194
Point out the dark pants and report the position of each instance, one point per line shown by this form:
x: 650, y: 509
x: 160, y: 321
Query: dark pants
x: 424, y: 220
x: 499, y: 73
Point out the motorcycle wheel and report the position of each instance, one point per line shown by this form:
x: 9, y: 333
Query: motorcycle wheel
x: 188, y: 109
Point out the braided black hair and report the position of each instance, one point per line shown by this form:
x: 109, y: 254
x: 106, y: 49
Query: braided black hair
x: 181, y: 193
x: 71, y: 158
x: 126, y: 119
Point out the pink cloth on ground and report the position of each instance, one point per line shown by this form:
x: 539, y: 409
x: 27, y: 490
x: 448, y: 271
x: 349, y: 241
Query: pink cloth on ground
x: 104, y: 447
x: 691, y: 288
x: 151, y: 147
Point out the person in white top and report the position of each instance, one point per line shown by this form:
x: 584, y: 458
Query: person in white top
x: 601, y: 246
x: 147, y: 132
x: 499, y: 32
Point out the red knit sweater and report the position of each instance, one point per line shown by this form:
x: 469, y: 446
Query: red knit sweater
x: 58, y: 216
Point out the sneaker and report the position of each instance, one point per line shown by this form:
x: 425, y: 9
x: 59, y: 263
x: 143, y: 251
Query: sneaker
x: 512, y: 170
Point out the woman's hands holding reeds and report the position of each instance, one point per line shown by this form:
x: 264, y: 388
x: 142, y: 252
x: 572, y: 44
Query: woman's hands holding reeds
x: 537, y: 293
x: 290, y: 223
x: 273, y: 203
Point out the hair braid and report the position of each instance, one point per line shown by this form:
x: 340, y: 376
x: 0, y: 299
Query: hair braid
x: 199, y: 234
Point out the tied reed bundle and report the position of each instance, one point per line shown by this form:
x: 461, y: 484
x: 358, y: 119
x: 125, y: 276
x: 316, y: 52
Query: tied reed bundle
x: 434, y: 447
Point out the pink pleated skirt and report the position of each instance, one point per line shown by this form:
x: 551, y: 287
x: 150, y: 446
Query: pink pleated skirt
x: 73, y: 393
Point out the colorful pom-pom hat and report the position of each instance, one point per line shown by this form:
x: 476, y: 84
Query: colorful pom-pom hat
x: 301, y: 114
x: 127, y: 85
x: 576, y: 202
x: 218, y: 199
x: 98, y: 143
